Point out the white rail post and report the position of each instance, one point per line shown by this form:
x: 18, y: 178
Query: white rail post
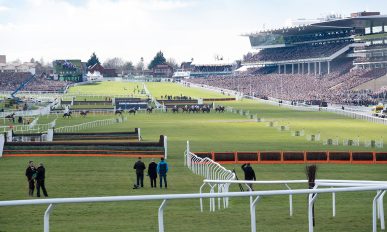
x: 312, y: 198
x: 186, y: 154
x: 165, y: 147
x: 374, y: 213
x: 381, y: 210
x: 252, y: 214
x: 333, y: 204
x: 161, y: 216
x: 290, y: 201
x: 47, y: 218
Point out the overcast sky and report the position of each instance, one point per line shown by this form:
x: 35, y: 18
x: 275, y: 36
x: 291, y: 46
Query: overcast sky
x: 182, y: 29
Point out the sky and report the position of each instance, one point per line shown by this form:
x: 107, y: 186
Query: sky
x: 131, y: 29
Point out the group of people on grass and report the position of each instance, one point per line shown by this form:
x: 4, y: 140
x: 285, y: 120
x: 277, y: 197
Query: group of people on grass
x: 154, y: 169
x: 35, y: 176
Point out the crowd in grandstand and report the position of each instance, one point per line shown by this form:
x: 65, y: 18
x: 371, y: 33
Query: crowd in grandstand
x: 304, y: 51
x: 335, y: 87
x: 10, y: 81
x: 41, y: 83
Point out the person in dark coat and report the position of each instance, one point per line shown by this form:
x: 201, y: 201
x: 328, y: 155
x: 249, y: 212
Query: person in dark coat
x: 162, y: 169
x: 140, y: 167
x: 152, y: 173
x: 40, y: 176
x: 30, y: 174
x: 249, y: 174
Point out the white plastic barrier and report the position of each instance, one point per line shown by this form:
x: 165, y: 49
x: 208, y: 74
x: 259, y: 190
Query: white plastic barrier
x: 2, y: 141
x: 256, y: 195
x: 378, y: 207
x: 209, y: 169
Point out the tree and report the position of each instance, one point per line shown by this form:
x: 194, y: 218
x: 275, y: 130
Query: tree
x: 172, y: 62
x: 93, y: 60
x: 119, y: 64
x: 115, y: 63
x: 158, y: 59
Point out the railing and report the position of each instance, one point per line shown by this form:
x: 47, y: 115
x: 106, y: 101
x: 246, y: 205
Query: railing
x: 296, y: 157
x: 377, y: 206
x: 29, y: 128
x: 209, y: 169
x: 89, y: 125
x: 158, y: 105
x: 24, y: 113
x: 254, y: 198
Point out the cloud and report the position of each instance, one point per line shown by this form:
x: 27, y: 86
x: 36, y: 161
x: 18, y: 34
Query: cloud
x: 3, y: 8
x: 171, y: 4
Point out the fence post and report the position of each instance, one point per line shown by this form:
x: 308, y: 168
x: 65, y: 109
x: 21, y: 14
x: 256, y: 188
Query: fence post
x: 47, y: 218
x: 161, y: 216
x: 165, y: 147
x: 252, y: 214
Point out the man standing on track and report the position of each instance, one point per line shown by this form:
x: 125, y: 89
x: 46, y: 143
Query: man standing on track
x: 140, y: 167
x: 152, y: 173
x: 162, y: 169
x: 249, y: 174
x: 30, y: 174
x: 40, y: 176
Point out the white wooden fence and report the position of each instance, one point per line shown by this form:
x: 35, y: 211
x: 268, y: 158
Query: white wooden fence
x: 89, y: 125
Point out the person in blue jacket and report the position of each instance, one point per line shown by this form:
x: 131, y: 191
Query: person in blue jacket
x: 162, y: 169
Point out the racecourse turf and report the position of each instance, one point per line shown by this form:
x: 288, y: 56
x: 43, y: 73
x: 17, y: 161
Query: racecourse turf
x: 93, y: 176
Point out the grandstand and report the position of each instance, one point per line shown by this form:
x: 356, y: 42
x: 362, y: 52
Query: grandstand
x: 322, y: 61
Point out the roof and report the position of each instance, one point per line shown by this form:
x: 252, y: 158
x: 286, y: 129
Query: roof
x: 360, y: 22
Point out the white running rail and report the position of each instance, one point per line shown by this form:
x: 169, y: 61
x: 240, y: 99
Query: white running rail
x: 378, y: 208
x: 89, y: 125
x: 256, y: 195
x: 209, y: 169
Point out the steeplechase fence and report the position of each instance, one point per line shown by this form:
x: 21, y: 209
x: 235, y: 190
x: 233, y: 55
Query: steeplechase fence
x: 78, y: 148
x: 296, y: 157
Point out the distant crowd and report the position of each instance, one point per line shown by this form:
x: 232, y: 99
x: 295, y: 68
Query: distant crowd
x: 335, y: 87
x: 10, y: 81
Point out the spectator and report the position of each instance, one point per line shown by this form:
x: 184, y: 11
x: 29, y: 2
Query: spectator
x: 249, y: 174
x: 40, y: 177
x: 31, y: 175
x: 140, y: 167
x: 152, y: 173
x: 162, y: 169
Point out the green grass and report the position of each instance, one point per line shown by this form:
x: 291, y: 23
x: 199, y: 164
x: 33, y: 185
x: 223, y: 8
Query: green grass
x: 108, y: 88
x: 174, y: 89
x: 88, y: 176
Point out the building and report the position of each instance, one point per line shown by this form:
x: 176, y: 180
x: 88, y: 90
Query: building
x: 18, y: 67
x: 3, y: 59
x: 105, y: 72
x: 163, y: 70
x: 317, y: 47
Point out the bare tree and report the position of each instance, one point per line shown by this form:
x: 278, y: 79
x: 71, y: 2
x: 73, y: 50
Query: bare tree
x: 119, y: 64
x: 172, y: 62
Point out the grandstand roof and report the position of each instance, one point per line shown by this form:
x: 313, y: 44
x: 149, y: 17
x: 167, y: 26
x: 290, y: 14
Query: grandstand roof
x: 360, y: 22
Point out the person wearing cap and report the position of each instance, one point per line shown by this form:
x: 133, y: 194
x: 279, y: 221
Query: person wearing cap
x: 40, y: 176
x: 30, y: 174
x: 162, y: 169
x: 152, y: 173
x: 140, y: 167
